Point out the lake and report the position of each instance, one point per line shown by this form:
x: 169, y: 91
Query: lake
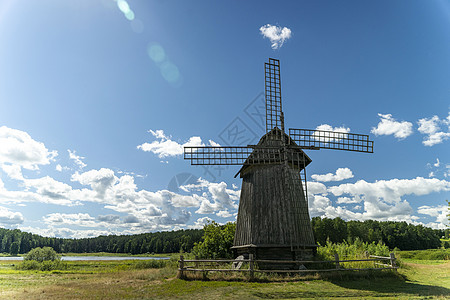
x: 78, y: 258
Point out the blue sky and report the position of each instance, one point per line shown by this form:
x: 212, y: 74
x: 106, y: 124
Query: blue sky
x: 97, y: 99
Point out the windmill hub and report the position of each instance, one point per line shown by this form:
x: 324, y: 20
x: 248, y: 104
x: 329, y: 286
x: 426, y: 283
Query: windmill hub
x: 273, y: 219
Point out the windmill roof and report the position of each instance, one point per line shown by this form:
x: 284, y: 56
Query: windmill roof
x: 274, y: 142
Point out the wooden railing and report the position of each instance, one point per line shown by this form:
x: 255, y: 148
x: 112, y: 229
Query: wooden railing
x: 251, y: 269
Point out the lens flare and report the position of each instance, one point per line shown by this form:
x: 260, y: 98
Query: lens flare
x: 156, y: 53
x: 170, y: 72
x: 123, y: 6
x: 130, y: 15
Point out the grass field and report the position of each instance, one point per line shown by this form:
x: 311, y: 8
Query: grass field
x: 417, y: 279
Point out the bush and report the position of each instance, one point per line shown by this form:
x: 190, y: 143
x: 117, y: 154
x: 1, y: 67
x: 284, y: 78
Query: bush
x: 46, y: 265
x: 42, y: 254
x: 217, y: 241
x: 42, y: 259
x: 353, y: 250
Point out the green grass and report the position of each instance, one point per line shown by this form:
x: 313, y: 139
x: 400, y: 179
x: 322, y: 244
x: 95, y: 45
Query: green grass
x: 137, y: 280
x: 121, y: 254
x: 430, y: 254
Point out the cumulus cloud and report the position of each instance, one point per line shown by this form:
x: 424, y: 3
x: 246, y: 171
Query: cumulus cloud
x: 8, y: 217
x: 18, y: 150
x: 339, y: 133
x: 64, y: 232
x: 99, y: 180
x: 341, y: 174
x: 166, y: 147
x: 276, y: 34
x: 438, y: 212
x: 316, y: 187
x: 224, y: 214
x: 380, y: 200
x: 200, y: 223
x: 78, y: 160
x: 383, y: 199
x: 222, y: 197
x: 431, y: 128
x: 79, y: 219
x: 108, y: 218
x: 389, y: 126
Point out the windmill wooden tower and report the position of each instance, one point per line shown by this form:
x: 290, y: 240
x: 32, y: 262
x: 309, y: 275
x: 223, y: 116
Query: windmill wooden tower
x: 273, y: 219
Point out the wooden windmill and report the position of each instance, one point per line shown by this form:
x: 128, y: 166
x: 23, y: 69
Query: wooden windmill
x: 273, y: 219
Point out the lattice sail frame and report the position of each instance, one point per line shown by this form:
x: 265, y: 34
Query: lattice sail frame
x: 322, y: 139
x: 274, y: 114
x: 251, y: 155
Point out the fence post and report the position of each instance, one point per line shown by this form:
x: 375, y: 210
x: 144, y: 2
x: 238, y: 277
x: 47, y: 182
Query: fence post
x: 196, y: 263
x: 393, y: 264
x: 181, y: 266
x: 336, y: 258
x: 252, y: 274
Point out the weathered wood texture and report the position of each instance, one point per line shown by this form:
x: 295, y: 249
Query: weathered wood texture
x: 273, y: 219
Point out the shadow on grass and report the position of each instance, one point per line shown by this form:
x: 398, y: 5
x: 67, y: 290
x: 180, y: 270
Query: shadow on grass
x: 390, y: 286
x: 348, y: 284
x: 361, y: 288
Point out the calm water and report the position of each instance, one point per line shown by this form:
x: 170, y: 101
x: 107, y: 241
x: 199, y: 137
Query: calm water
x: 75, y: 258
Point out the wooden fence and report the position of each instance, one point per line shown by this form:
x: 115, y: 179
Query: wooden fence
x: 379, y: 263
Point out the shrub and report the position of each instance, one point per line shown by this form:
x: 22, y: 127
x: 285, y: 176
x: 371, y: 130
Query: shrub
x: 42, y: 254
x: 352, y: 250
x: 42, y: 259
x: 46, y: 265
x: 217, y: 241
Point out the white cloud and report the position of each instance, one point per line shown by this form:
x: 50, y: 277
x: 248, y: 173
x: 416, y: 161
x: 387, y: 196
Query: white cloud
x: 77, y: 159
x: 383, y: 199
x: 317, y: 204
x: 108, y: 218
x: 432, y: 129
x: 224, y: 214
x: 341, y: 174
x: 13, y: 171
x: 438, y: 163
x: 275, y: 34
x: 52, y: 191
x: 206, y: 207
x: 439, y: 212
x: 316, y: 187
x: 222, y: 197
x: 79, y: 219
x: 200, y: 223
x: 166, y: 147
x: 99, y: 180
x: 8, y: 217
x: 19, y: 150
x: 340, y: 133
x: 214, y: 144
x: 389, y: 126
x: 63, y: 232
x: 347, y: 200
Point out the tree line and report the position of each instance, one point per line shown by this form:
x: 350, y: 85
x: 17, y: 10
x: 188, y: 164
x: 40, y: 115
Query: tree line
x: 16, y: 241
x: 399, y: 235
x: 394, y: 234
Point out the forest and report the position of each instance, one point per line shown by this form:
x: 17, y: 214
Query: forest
x: 399, y: 235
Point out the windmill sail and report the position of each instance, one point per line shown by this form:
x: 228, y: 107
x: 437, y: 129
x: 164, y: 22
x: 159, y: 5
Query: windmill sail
x: 321, y: 139
x: 274, y: 115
